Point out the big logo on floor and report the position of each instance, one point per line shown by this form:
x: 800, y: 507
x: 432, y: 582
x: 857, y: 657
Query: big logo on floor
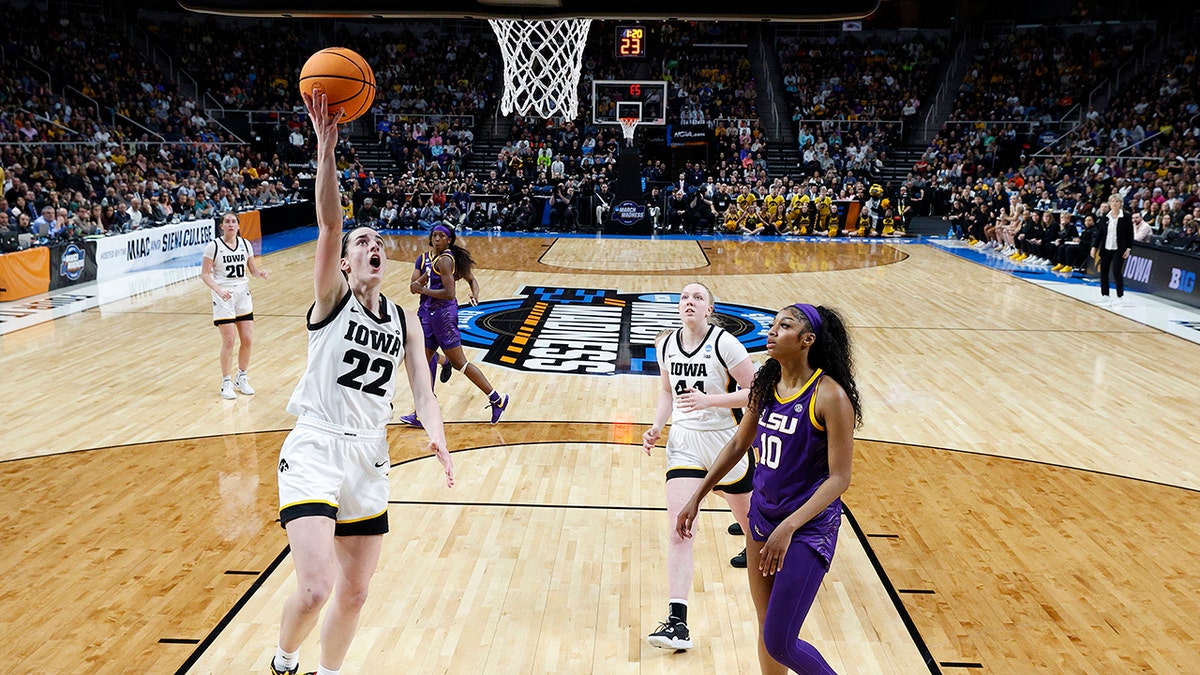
x: 590, y: 331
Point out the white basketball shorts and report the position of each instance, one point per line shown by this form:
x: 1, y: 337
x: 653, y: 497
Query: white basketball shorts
x: 338, y: 473
x: 690, y: 452
x: 237, y: 308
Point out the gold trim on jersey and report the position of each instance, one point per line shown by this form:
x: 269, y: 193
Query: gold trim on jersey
x: 793, y: 397
x: 812, y: 409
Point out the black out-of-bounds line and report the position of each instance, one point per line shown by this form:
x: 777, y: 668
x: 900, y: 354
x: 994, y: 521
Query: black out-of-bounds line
x: 237, y: 607
x: 918, y: 641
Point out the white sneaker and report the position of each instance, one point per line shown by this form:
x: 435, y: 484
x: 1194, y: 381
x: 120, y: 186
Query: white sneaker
x: 227, y: 389
x: 243, y: 384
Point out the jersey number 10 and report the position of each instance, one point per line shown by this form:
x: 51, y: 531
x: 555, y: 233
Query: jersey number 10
x: 770, y: 448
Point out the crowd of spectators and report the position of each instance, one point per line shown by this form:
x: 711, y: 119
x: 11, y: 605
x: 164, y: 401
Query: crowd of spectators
x: 1152, y: 116
x: 253, y: 66
x: 859, y: 79
x: 149, y: 155
x: 69, y: 171
x: 708, y: 71
x: 1038, y: 208
x: 1042, y: 73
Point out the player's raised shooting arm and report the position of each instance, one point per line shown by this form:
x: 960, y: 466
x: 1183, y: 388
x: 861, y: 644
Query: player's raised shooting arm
x: 328, y: 281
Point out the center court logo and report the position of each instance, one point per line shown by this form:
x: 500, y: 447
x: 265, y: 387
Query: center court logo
x: 588, y: 331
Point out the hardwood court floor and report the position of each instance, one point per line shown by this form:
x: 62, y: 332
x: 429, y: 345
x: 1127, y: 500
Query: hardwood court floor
x: 1025, y: 480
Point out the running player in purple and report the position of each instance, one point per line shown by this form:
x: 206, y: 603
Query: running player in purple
x: 804, y: 407
x: 433, y: 278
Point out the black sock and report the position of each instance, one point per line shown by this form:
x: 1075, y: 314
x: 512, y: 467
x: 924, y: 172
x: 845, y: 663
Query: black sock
x: 678, y: 611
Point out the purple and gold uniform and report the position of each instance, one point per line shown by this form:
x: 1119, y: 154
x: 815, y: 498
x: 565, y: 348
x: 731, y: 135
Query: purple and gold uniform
x: 439, y: 318
x: 791, y: 452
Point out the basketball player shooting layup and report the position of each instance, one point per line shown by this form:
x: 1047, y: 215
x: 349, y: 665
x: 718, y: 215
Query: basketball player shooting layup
x: 333, y: 484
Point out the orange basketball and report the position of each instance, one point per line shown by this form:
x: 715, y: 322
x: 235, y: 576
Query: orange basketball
x: 344, y: 76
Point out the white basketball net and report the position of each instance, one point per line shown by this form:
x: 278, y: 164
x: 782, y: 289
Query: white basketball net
x: 541, y: 65
x: 628, y: 124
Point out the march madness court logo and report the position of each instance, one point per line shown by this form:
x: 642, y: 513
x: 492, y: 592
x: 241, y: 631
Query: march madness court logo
x: 590, y: 331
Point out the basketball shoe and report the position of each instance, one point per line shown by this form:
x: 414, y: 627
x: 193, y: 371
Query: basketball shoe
x: 671, y: 634
x: 447, y: 370
x: 498, y: 407
x: 290, y: 671
x: 739, y: 560
x: 412, y: 421
x: 227, y: 389
x: 242, y: 384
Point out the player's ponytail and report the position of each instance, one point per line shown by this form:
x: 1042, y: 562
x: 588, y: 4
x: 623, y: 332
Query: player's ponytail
x: 463, y: 262
x: 832, y: 353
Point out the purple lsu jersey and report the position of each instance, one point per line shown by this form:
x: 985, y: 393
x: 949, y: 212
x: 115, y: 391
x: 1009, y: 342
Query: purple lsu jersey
x: 791, y: 455
x: 425, y: 264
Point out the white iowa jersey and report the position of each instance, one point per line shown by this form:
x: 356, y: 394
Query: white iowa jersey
x: 230, y: 265
x: 353, y: 359
x: 706, y: 369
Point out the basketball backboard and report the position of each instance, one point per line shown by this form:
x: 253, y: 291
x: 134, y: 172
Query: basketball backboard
x: 613, y: 99
x: 809, y: 10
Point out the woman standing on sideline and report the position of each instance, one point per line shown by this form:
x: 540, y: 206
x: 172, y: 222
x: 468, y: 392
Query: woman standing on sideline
x: 804, y: 406
x: 1114, y: 240
x: 701, y: 367
x: 227, y: 261
x: 333, y: 484
x: 433, y: 278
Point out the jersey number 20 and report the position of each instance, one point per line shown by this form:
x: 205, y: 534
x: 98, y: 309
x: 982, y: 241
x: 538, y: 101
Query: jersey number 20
x: 362, y: 363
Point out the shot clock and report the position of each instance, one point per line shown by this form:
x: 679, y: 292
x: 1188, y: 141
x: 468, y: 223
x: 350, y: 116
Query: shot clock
x: 630, y: 42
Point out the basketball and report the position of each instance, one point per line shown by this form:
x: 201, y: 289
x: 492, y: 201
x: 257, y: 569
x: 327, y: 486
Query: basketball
x: 344, y: 76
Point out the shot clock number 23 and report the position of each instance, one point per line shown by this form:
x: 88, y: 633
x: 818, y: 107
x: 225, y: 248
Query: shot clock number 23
x: 630, y: 42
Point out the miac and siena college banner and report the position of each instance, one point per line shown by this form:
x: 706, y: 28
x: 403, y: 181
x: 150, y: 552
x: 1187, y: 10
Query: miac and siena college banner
x: 589, y: 331
x: 151, y: 247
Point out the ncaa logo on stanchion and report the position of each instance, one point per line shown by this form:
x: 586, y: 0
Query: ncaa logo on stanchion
x: 73, y: 262
x: 587, y: 331
x: 628, y: 212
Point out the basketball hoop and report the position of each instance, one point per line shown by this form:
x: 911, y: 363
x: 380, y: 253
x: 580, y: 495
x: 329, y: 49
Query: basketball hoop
x: 541, y: 65
x: 628, y: 124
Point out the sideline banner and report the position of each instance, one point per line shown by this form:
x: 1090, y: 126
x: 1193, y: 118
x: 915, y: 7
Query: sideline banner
x: 24, y: 273
x: 72, y: 263
x: 147, y: 248
x: 1164, y: 272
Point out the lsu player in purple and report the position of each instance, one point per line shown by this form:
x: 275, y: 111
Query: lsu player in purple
x: 433, y: 278
x: 804, y: 407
